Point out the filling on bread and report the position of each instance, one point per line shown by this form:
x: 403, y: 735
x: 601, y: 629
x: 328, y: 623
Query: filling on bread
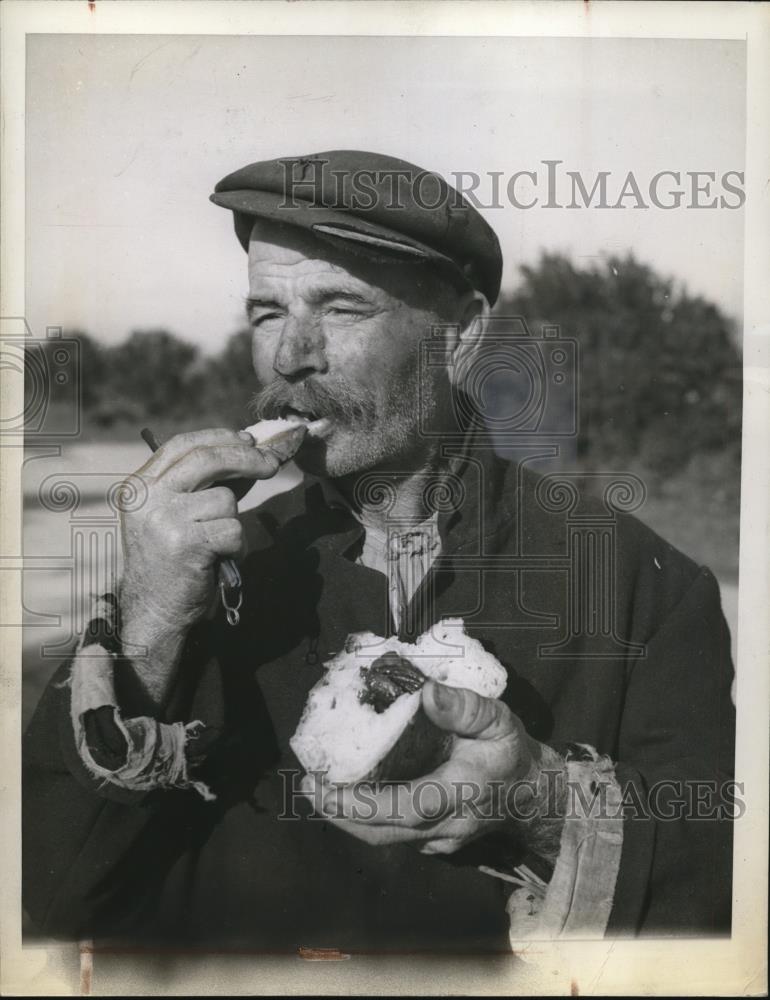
x: 363, y: 720
x: 388, y: 678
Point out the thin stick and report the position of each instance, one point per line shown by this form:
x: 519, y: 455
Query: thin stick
x: 149, y: 438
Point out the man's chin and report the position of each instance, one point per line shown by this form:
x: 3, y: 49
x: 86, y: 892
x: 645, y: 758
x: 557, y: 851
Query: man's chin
x: 321, y: 456
x: 338, y: 454
x: 312, y: 458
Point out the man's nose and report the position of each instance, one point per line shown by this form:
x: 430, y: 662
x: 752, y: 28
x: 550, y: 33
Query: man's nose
x: 301, y: 349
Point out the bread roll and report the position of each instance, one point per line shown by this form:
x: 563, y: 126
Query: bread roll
x: 267, y: 430
x: 364, y: 719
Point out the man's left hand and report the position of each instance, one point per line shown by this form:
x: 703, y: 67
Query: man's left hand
x: 494, y: 776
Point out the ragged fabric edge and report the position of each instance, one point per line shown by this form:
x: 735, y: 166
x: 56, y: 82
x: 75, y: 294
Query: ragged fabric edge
x: 156, y: 755
x: 579, y: 896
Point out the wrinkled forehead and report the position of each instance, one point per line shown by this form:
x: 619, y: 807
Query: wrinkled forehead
x: 290, y: 274
x: 279, y: 250
x: 284, y: 244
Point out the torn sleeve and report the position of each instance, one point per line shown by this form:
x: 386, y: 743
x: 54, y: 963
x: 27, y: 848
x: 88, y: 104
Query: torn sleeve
x: 578, y: 898
x: 136, y: 754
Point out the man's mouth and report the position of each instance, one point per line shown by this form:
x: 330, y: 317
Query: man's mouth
x: 316, y: 425
x: 291, y: 413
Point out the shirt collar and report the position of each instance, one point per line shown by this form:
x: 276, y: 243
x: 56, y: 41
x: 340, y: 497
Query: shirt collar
x: 487, y: 500
x: 334, y: 499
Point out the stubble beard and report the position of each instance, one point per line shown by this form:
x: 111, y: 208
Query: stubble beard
x: 368, y: 432
x: 390, y: 438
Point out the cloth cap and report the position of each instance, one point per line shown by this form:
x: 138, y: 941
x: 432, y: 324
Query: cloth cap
x: 376, y: 204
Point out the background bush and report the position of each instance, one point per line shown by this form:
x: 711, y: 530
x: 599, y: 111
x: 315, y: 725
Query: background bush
x: 659, y: 388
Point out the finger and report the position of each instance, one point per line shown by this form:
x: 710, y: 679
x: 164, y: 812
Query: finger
x: 407, y: 805
x: 223, y: 536
x: 180, y: 444
x: 379, y: 836
x: 442, y: 845
x: 285, y: 442
x: 428, y: 801
x: 362, y: 802
x: 440, y: 804
x: 206, y: 505
x: 443, y: 837
x: 466, y: 713
x: 201, y: 467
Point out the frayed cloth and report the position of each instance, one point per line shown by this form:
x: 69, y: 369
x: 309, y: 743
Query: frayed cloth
x: 578, y: 898
x: 153, y: 754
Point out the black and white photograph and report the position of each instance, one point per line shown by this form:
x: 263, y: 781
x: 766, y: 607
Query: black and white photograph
x: 384, y: 558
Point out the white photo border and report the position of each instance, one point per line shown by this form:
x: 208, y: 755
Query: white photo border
x: 636, y: 967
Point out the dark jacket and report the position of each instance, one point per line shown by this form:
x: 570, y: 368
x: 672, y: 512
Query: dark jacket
x: 631, y: 656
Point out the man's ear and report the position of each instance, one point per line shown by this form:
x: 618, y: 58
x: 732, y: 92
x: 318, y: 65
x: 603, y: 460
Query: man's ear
x: 467, y: 337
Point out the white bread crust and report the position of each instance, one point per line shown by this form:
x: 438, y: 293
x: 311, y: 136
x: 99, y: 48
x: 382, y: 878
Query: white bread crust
x: 349, y: 741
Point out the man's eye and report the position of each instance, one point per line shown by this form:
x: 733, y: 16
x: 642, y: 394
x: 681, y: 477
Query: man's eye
x: 263, y: 318
x: 343, y: 311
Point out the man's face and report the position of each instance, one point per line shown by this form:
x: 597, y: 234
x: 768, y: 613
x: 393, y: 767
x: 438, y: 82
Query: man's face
x: 340, y: 340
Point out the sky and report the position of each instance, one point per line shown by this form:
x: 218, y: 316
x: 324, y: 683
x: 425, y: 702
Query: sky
x: 127, y: 136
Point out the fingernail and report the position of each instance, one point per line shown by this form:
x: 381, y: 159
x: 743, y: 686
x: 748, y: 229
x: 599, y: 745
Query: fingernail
x: 444, y: 697
x: 245, y: 436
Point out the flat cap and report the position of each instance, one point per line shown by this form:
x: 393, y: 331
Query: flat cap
x: 372, y: 203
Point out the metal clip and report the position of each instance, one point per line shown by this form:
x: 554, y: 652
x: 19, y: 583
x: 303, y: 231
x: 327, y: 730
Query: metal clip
x: 230, y: 581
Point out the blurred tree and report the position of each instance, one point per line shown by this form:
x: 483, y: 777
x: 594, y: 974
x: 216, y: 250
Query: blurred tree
x: 229, y: 381
x: 93, y: 367
x: 659, y: 376
x: 659, y: 380
x: 154, y: 368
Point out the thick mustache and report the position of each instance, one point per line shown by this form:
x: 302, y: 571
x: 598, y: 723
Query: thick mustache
x: 341, y: 402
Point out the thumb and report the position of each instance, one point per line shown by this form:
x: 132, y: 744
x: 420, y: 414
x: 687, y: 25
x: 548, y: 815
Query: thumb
x: 466, y: 713
x: 284, y: 444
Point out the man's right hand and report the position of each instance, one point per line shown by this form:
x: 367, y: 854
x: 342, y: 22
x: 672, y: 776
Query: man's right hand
x: 171, y: 543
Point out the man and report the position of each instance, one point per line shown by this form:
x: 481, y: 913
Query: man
x: 163, y: 803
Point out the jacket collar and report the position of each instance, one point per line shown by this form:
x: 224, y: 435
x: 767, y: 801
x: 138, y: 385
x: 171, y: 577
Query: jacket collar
x: 474, y: 502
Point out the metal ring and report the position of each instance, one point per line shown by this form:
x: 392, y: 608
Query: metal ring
x: 231, y: 610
